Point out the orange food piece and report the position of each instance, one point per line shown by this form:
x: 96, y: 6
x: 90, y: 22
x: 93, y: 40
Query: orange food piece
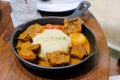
x: 26, y: 54
x: 30, y: 32
x: 26, y: 50
x: 59, y: 27
x: 78, y: 51
x: 74, y: 60
x: 44, y: 63
x: 58, y: 58
x: 78, y: 38
x: 87, y: 47
x: 74, y: 25
x: 50, y: 26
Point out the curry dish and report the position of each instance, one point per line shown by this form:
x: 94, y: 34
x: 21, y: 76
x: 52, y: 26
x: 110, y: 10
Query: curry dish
x: 54, y: 45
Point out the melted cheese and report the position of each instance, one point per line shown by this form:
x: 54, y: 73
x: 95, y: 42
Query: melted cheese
x: 52, y: 40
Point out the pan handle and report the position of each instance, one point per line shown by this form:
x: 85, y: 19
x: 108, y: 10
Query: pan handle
x: 80, y: 10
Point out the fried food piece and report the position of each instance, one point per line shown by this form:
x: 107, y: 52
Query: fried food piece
x: 24, y: 37
x: 87, y: 47
x: 27, y: 51
x: 74, y: 60
x: 44, y: 63
x: 78, y: 38
x: 27, y: 45
x: 33, y: 47
x: 58, y: 58
x: 74, y: 25
x: 30, y: 32
x: 21, y: 44
x: 78, y: 51
x: 27, y: 54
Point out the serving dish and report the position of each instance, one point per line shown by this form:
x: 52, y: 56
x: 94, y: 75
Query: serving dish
x: 82, y: 67
x: 57, y: 6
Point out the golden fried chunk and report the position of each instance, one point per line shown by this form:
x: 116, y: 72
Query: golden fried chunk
x: 30, y: 32
x: 27, y: 54
x: 27, y: 50
x: 78, y: 38
x: 78, y: 51
x: 58, y: 58
x: 87, y: 47
x: 44, y: 63
x: 24, y: 37
x: 74, y: 60
x: 21, y: 44
x: 33, y: 47
x: 74, y: 25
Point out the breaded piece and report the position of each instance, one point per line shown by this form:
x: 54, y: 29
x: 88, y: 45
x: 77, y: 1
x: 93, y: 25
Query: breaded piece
x: 21, y: 44
x: 58, y: 58
x: 78, y: 51
x: 30, y: 32
x: 24, y: 37
x: 74, y: 25
x: 27, y: 54
x: 44, y: 63
x: 27, y: 51
x: 74, y: 60
x: 33, y: 47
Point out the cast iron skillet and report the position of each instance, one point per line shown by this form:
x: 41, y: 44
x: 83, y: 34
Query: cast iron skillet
x: 65, y: 71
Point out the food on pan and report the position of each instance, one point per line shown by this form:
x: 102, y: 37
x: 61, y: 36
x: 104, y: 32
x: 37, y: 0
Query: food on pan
x: 78, y: 51
x: 71, y: 26
x: 44, y: 63
x: 52, y: 40
x: 58, y: 58
x: 54, y: 45
x: 74, y: 60
x: 30, y: 32
x: 80, y: 39
x: 27, y: 50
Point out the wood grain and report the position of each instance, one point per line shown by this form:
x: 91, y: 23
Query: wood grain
x: 11, y: 69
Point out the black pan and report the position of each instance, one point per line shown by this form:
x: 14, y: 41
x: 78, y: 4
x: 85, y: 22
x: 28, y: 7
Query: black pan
x: 65, y: 71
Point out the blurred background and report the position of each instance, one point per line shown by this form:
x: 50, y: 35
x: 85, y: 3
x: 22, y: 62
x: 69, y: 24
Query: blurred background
x: 107, y: 12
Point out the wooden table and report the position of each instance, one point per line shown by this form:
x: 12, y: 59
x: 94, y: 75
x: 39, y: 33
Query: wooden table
x: 11, y: 69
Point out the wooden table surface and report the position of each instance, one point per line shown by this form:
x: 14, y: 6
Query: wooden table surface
x: 11, y: 69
